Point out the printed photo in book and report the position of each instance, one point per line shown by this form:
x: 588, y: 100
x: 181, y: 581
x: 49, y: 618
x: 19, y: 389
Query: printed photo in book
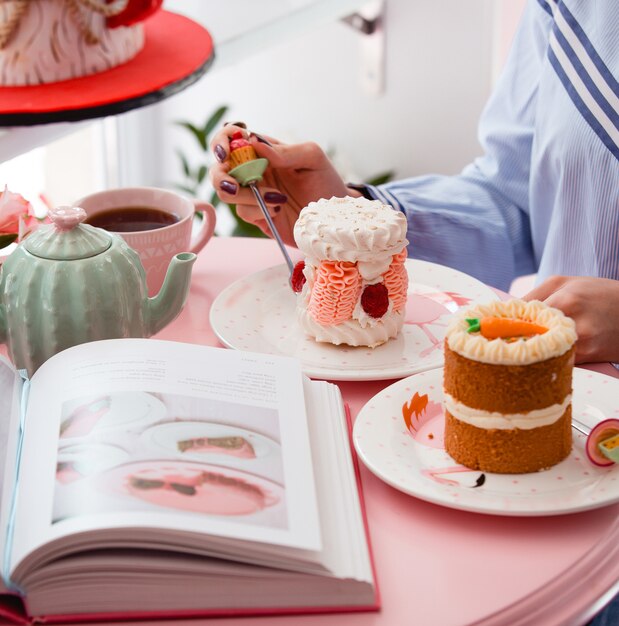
x: 148, y: 451
x: 145, y: 478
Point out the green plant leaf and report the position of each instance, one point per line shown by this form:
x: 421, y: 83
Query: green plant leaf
x: 184, y: 163
x: 201, y: 173
x: 243, y: 228
x: 214, y: 120
x: 214, y: 199
x: 380, y: 179
x: 192, y: 191
x: 198, y: 133
x: 7, y: 239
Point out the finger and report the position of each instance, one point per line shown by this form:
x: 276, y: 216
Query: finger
x: 302, y: 155
x: 546, y: 289
x: 220, y: 144
x: 229, y: 189
x: 269, y: 141
x: 253, y: 214
x: 274, y: 196
x: 239, y: 124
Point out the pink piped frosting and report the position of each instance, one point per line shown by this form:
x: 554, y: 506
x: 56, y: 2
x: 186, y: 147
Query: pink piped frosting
x: 335, y: 292
x: 396, y: 281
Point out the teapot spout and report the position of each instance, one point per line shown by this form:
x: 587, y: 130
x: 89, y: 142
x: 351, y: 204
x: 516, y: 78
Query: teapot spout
x: 167, y: 304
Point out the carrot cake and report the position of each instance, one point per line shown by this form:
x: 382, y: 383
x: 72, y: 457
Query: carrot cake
x: 507, y: 387
x: 353, y: 283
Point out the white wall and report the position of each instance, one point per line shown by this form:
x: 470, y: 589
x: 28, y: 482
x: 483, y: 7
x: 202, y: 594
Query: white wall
x: 438, y: 76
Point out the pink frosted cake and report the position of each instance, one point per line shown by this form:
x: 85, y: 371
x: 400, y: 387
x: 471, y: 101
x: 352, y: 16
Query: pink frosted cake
x: 353, y: 283
x: 44, y: 41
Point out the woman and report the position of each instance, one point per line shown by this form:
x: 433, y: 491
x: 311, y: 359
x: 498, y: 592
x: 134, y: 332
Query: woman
x: 543, y: 198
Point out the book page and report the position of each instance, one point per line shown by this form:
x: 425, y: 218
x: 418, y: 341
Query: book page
x: 151, y: 434
x: 10, y: 400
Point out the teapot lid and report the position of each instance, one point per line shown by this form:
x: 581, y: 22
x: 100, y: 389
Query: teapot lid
x: 67, y: 239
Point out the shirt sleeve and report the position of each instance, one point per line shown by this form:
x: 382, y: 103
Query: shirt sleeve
x: 478, y: 221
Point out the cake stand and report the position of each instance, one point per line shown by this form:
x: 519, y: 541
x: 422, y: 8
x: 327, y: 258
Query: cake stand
x: 176, y: 53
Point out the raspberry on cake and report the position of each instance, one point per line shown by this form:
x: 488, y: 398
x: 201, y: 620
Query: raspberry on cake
x: 507, y: 387
x: 355, y: 281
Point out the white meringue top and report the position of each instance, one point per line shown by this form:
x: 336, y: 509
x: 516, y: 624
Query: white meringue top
x: 357, y: 230
x: 559, y: 338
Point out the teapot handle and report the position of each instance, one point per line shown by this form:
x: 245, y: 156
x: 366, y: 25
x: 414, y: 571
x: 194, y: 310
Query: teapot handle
x: 209, y: 219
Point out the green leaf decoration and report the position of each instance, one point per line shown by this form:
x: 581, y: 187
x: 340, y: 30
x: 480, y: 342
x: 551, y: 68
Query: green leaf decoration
x: 201, y: 173
x: 7, y: 239
x: 474, y: 324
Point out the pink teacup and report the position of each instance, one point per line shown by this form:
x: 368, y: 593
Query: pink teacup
x: 156, y: 223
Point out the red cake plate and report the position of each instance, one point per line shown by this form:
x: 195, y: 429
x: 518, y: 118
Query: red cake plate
x: 176, y: 53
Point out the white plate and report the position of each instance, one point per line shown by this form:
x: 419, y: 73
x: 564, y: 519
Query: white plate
x: 257, y: 313
x: 83, y: 459
x: 118, y: 411
x: 417, y: 463
x: 211, y: 496
x: 165, y: 438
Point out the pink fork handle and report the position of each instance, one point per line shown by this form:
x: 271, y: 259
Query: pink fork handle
x: 208, y: 225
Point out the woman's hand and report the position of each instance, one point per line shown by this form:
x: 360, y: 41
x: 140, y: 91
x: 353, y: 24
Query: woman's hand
x: 593, y: 303
x: 297, y: 175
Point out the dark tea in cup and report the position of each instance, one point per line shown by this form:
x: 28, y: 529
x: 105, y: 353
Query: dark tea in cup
x: 132, y: 219
x: 156, y: 223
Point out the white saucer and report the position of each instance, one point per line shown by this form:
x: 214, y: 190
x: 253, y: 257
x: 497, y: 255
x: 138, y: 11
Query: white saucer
x: 118, y: 411
x: 416, y: 463
x: 257, y: 313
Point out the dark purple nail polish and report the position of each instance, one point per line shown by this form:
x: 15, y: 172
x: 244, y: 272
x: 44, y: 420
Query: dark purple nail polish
x: 273, y: 197
x: 228, y: 187
x: 261, y: 139
x: 239, y: 124
x: 220, y: 153
x: 277, y: 209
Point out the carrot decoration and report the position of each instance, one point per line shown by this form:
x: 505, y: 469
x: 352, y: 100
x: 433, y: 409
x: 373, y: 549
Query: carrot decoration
x: 416, y: 407
x: 504, y: 327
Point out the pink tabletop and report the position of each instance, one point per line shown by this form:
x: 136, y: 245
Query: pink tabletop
x: 437, y: 566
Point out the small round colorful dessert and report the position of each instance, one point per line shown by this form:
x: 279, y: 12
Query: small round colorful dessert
x: 353, y: 283
x: 241, y: 150
x: 507, y: 387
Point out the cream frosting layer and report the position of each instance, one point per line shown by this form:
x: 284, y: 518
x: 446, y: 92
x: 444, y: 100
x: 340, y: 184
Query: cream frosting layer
x: 352, y: 332
x: 335, y: 291
x: 505, y: 421
x: 559, y: 338
x: 358, y: 230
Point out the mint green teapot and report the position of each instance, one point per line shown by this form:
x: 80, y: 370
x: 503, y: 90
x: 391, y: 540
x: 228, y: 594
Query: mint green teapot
x: 69, y: 283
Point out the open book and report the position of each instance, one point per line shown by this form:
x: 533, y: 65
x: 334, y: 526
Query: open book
x: 146, y: 477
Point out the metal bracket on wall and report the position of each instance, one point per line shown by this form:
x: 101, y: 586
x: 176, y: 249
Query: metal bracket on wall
x: 369, y: 21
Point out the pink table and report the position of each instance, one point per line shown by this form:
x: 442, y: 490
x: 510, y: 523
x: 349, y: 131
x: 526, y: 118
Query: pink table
x: 438, y: 566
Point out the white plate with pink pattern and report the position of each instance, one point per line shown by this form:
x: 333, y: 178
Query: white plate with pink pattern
x: 257, y: 313
x: 414, y: 460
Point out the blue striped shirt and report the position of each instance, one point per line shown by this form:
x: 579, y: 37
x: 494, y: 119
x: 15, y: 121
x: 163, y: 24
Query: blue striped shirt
x: 544, y: 197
